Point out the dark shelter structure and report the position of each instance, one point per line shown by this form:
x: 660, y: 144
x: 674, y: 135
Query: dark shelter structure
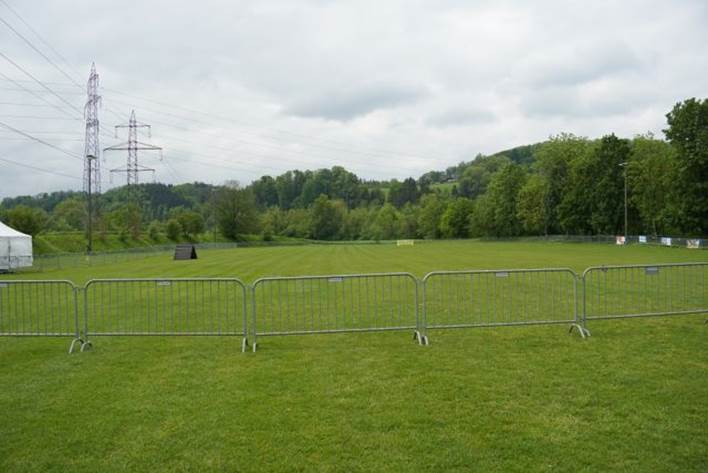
x: 185, y: 251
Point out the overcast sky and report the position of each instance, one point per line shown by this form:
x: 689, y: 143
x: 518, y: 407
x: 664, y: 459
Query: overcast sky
x: 238, y: 89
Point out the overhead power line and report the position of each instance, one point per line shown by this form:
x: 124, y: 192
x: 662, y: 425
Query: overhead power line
x: 283, y: 150
x: 336, y: 147
x: 34, y: 117
x: 24, y: 104
x: 39, y: 140
x: 41, y: 84
x: 272, y: 143
x: 36, y: 95
x: 36, y: 168
x: 31, y: 45
x: 37, y: 35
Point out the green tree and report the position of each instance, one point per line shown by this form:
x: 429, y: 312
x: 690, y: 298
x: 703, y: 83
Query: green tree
x: 173, y: 229
x: 386, y: 223
x: 29, y: 220
x: 355, y: 223
x: 608, y: 190
x: 432, y: 207
x: 482, y: 218
x: 297, y: 223
x: 532, y: 205
x: 235, y: 211
x: 265, y: 192
x: 72, y: 211
x: 652, y: 177
x: 688, y: 133
x: 454, y: 222
x: 155, y: 230
x: 127, y: 219
x: 326, y: 218
x: 477, y: 175
x: 272, y: 221
x: 402, y: 193
x: 409, y: 218
x: 503, y: 195
x: 553, y: 161
x: 192, y: 222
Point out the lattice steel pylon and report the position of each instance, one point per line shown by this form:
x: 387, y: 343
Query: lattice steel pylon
x: 92, y: 150
x: 132, y: 168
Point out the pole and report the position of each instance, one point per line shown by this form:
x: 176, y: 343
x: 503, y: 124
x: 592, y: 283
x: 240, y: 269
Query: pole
x: 89, y: 246
x: 624, y: 165
x: 625, y: 205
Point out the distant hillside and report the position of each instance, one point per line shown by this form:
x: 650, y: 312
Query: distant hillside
x: 523, y: 155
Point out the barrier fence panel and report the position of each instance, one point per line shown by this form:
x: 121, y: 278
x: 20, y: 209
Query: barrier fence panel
x: 39, y: 308
x: 487, y: 298
x: 332, y: 304
x: 165, y: 307
x: 644, y: 290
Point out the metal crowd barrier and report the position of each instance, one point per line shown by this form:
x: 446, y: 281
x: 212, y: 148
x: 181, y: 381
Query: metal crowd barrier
x: 348, y: 303
x: 491, y: 298
x: 165, y: 307
x: 46, y: 308
x: 334, y: 304
x: 611, y: 292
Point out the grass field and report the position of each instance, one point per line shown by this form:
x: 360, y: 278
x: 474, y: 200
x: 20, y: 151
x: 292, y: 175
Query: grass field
x: 630, y: 398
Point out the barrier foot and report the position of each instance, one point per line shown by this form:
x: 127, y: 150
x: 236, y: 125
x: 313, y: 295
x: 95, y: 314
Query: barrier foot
x: 73, y: 344
x: 244, y: 345
x: 420, y: 338
x: 255, y: 345
x: 86, y: 345
x: 581, y: 330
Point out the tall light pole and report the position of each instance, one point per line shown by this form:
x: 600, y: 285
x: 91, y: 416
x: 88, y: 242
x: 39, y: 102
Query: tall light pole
x: 91, y: 160
x: 624, y: 165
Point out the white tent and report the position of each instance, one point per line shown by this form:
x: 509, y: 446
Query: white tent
x: 15, y: 249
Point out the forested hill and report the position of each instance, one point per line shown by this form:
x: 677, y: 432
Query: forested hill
x: 293, y: 188
x: 522, y: 155
x: 568, y: 184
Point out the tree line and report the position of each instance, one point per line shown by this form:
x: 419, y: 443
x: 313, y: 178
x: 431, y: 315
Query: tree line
x: 565, y: 185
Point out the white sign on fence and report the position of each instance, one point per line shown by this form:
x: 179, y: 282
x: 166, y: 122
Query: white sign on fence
x: 642, y: 238
x: 666, y: 241
x: 693, y: 244
x: 620, y: 240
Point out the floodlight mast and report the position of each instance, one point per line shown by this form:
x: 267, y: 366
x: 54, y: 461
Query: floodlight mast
x: 89, y: 233
x: 624, y: 165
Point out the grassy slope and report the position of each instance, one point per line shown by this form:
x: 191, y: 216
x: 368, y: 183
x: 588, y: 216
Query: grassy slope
x: 75, y: 242
x: 631, y: 398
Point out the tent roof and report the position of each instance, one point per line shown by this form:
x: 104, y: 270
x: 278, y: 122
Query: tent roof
x: 6, y: 231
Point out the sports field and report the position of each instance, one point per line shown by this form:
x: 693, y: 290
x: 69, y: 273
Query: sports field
x: 630, y: 398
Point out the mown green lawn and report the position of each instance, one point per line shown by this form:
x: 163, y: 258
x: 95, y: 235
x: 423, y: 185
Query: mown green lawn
x: 630, y: 398
x: 251, y: 263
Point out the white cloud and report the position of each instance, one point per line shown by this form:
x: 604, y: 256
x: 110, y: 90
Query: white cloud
x: 387, y: 89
